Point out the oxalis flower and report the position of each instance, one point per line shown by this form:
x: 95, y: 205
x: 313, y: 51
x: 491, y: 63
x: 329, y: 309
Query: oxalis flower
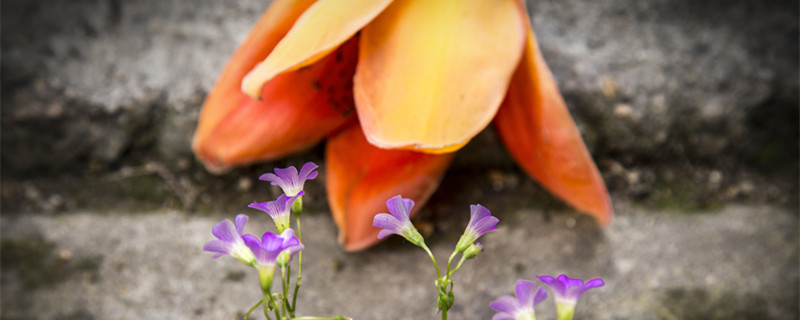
x: 567, y: 291
x: 481, y: 221
x: 397, y: 86
x: 521, y: 307
x: 398, y: 222
x: 271, y: 250
x: 278, y: 210
x: 229, y: 240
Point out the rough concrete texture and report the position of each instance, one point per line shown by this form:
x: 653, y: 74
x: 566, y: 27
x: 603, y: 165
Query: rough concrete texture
x: 737, y: 263
x: 690, y: 109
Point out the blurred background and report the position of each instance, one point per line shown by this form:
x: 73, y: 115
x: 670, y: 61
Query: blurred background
x: 690, y: 110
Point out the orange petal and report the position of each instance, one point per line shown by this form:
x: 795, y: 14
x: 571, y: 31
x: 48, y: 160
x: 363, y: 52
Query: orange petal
x: 431, y: 74
x: 537, y: 129
x: 323, y: 27
x: 226, y: 94
x: 361, y: 177
x: 298, y: 109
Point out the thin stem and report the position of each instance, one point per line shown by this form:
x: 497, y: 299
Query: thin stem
x: 449, y: 261
x: 286, y: 272
x: 460, y: 262
x: 444, y: 314
x: 299, y: 269
x: 272, y: 305
x: 247, y: 315
x: 430, y: 254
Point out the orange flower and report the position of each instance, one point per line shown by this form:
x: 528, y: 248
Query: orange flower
x: 397, y: 86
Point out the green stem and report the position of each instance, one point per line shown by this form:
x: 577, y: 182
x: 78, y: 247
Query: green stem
x: 430, y: 254
x: 272, y: 305
x: 458, y: 266
x: 247, y: 315
x: 299, y: 269
x: 286, y: 272
x: 449, y: 261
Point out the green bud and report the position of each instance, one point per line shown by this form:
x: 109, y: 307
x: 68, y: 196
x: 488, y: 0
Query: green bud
x: 473, y: 250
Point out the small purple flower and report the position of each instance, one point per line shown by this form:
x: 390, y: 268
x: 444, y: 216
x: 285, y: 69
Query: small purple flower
x: 567, y: 291
x: 521, y: 308
x: 289, y: 179
x: 481, y: 221
x: 229, y: 240
x: 267, y: 251
x: 398, y: 222
x: 279, y: 210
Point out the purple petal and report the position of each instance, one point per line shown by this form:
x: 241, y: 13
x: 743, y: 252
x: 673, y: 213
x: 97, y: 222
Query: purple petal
x: 225, y: 231
x: 481, y: 220
x: 259, y: 205
x: 241, y: 220
x: 288, y: 176
x: 505, y: 304
x: 218, y: 246
x: 541, y: 295
x: 306, y: 172
x: 271, y: 177
x: 399, y: 207
x: 524, y: 290
x: 387, y: 221
x: 502, y: 316
x: 554, y: 284
x: 485, y: 225
x: 478, y: 211
x: 254, y: 244
x: 385, y: 233
x: 594, y: 283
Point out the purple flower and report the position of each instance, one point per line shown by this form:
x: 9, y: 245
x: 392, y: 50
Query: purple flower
x: 289, y: 180
x: 278, y: 210
x: 398, y: 221
x: 229, y: 240
x: 522, y: 307
x: 481, y: 221
x: 567, y: 290
x: 267, y: 251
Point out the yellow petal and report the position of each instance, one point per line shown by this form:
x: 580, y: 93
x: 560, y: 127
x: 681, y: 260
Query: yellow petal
x: 321, y: 28
x: 538, y: 131
x: 431, y: 74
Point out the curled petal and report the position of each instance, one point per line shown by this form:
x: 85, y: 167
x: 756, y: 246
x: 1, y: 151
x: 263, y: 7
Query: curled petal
x: 298, y: 108
x: 536, y: 127
x: 361, y: 177
x: 322, y: 27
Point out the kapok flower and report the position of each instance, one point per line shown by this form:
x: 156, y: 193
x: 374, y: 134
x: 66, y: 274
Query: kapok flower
x: 397, y: 86
x: 278, y: 210
x: 481, y: 221
x: 567, y: 291
x: 521, y: 308
x: 267, y: 251
x: 398, y: 222
x: 229, y: 240
x: 290, y: 181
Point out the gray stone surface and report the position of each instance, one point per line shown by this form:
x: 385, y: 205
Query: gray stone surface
x: 740, y: 262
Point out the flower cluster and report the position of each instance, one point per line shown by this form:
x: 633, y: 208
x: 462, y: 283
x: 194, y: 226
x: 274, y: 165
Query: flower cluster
x: 398, y: 222
x: 565, y: 289
x: 271, y: 250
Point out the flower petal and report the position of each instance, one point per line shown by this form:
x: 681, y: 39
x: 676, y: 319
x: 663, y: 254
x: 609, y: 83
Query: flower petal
x: 536, y: 127
x: 432, y: 74
x: 361, y: 177
x: 321, y: 28
x: 299, y: 109
x: 505, y: 304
